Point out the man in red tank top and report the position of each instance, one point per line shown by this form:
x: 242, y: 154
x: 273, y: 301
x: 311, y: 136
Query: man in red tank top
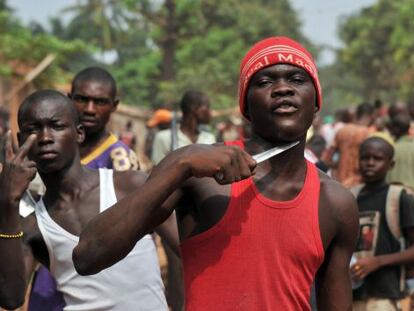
x: 259, y: 237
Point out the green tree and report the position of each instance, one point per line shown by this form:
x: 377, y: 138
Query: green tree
x: 100, y: 21
x: 20, y: 45
x: 199, y: 43
x: 165, y: 47
x: 341, y: 88
x: 378, y: 49
x: 108, y: 26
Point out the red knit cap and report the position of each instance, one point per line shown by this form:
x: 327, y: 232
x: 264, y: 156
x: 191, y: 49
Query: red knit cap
x: 271, y: 51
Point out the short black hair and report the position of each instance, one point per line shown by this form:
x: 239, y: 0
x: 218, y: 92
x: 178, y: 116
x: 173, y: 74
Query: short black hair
x: 397, y: 108
x: 97, y: 74
x: 401, y: 122
x: 386, y: 146
x: 343, y: 115
x: 364, y: 109
x: 52, y: 96
x: 316, y: 144
x: 192, y: 99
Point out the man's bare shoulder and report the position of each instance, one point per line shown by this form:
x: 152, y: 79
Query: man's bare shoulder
x: 338, y: 214
x: 337, y: 198
x: 127, y: 181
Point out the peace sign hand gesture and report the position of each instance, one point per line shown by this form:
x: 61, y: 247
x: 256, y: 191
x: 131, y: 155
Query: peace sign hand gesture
x: 17, y: 171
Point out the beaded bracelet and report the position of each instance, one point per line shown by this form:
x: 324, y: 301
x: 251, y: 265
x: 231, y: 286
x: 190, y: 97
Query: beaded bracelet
x: 11, y: 236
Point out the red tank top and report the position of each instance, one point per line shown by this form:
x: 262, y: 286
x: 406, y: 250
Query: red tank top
x: 262, y: 254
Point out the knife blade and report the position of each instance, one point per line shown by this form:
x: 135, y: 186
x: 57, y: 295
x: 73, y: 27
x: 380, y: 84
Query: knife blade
x: 263, y: 156
x: 267, y: 154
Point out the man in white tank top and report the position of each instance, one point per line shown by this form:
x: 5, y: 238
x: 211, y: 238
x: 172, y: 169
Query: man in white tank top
x: 50, y: 129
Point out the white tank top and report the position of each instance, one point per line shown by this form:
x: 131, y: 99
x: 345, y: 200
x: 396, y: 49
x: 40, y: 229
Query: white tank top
x: 134, y: 283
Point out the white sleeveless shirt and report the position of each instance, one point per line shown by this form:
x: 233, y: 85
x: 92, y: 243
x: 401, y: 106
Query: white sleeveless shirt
x: 134, y: 283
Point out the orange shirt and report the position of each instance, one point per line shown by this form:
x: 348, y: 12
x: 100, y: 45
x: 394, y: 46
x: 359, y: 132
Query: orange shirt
x: 347, y: 141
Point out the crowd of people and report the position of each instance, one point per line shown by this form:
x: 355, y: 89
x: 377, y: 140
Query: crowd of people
x: 327, y: 224
x: 370, y: 151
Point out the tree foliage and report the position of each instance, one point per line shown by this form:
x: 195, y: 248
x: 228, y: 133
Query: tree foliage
x: 378, y: 49
x: 170, y: 46
x: 161, y: 48
x: 21, y: 45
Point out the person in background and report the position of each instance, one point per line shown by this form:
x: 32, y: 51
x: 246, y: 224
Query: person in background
x: 329, y: 129
x: 127, y: 136
x: 403, y: 170
x: 380, y: 253
x: 227, y: 129
x: 316, y: 126
x: 195, y: 108
x: 380, y: 116
x: 314, y: 151
x: 94, y: 95
x: 346, y: 144
x: 397, y: 108
x: 160, y: 120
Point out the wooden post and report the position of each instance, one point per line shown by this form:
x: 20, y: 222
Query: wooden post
x: 13, y: 99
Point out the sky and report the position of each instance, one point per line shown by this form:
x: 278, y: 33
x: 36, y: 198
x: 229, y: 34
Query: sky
x: 320, y: 18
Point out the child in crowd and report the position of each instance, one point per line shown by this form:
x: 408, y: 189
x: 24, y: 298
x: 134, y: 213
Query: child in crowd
x: 386, y: 221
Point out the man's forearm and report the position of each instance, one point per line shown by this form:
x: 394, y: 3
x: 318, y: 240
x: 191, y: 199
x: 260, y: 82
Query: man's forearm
x: 111, y: 235
x: 395, y: 259
x: 12, y: 269
x: 15, y: 176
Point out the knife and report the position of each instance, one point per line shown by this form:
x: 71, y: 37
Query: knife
x: 263, y: 156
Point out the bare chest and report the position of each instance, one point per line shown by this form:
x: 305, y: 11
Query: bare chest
x: 74, y: 215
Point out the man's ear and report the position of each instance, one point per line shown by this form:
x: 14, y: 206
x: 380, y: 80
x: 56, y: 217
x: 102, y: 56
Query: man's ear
x: 392, y: 164
x: 115, y: 104
x: 80, y: 131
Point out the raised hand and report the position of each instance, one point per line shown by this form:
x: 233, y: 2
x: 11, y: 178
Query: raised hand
x: 17, y: 171
x: 226, y: 164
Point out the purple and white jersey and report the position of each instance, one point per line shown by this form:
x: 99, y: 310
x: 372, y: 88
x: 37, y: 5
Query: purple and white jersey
x: 112, y: 154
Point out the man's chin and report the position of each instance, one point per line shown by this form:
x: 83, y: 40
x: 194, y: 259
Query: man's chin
x: 285, y: 137
x: 91, y: 130
x: 45, y: 167
x: 370, y: 178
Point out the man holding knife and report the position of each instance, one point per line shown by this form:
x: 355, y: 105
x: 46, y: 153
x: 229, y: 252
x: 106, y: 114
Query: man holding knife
x: 256, y: 235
